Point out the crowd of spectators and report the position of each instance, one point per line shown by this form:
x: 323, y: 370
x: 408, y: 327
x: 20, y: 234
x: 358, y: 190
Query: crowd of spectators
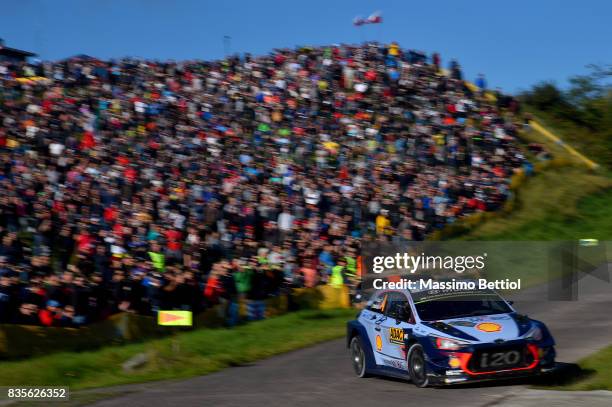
x: 136, y: 185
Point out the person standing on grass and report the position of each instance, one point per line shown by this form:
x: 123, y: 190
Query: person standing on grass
x: 242, y: 276
x: 258, y: 293
x: 229, y: 294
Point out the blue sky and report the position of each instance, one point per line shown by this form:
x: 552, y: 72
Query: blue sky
x: 514, y: 43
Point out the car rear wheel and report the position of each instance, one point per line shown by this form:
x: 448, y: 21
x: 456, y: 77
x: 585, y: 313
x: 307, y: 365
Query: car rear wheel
x: 417, y: 367
x: 358, y: 357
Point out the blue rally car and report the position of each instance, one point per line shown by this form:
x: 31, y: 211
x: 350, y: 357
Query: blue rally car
x: 440, y: 337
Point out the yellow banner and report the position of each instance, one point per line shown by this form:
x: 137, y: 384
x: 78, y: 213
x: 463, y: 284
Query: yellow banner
x: 174, y: 318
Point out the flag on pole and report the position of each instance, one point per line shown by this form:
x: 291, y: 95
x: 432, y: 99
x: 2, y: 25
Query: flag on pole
x: 374, y: 18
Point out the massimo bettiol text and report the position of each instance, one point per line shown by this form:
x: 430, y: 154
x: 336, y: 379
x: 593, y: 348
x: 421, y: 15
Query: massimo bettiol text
x: 403, y: 263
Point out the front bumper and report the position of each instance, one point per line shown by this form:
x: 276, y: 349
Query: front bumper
x: 462, y: 377
x: 447, y: 368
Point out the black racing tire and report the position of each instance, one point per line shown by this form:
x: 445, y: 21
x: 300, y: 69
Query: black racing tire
x: 417, y: 367
x: 358, y: 357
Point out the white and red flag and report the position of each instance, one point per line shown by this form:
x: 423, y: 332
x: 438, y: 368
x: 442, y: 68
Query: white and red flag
x: 375, y: 18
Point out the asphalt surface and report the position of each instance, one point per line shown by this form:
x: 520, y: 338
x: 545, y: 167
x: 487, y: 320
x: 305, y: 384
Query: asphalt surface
x: 322, y: 375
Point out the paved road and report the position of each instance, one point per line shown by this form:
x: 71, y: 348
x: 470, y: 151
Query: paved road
x: 322, y: 375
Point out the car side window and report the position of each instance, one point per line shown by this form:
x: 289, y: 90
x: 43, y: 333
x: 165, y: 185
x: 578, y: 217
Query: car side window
x: 377, y: 303
x: 398, y: 307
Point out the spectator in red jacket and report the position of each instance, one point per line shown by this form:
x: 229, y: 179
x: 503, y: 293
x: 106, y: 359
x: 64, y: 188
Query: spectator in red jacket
x: 51, y: 314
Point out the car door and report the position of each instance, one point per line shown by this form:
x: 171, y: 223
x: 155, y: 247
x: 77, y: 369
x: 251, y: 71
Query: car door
x: 397, y: 321
x: 372, y: 317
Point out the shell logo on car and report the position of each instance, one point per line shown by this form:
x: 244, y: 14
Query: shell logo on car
x: 488, y: 327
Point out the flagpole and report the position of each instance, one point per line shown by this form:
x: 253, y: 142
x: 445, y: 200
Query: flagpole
x: 227, y: 41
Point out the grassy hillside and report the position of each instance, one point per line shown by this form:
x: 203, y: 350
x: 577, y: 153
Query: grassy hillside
x: 565, y: 201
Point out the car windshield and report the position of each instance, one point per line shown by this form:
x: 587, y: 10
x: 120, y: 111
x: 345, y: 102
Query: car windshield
x: 460, y: 305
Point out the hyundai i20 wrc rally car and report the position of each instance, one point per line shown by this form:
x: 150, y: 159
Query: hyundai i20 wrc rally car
x: 440, y: 337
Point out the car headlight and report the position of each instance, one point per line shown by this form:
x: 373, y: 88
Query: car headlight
x: 534, y: 333
x: 449, y: 344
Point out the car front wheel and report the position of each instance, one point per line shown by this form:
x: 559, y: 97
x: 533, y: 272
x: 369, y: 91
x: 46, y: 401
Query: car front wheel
x: 417, y: 366
x: 358, y: 357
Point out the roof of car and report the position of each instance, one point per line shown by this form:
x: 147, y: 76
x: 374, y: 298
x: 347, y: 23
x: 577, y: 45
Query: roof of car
x: 432, y: 294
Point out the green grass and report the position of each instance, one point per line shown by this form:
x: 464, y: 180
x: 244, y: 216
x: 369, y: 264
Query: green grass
x: 184, y: 355
x: 595, y: 374
x: 566, y: 203
x: 590, y: 217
